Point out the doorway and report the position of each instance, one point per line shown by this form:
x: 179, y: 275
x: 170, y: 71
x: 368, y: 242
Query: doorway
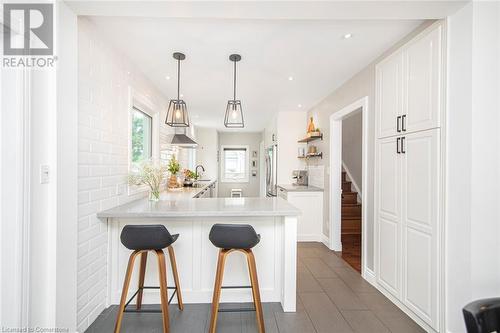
x: 348, y: 179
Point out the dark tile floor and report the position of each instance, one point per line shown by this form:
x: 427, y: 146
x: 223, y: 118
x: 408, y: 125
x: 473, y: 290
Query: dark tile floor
x: 332, y: 297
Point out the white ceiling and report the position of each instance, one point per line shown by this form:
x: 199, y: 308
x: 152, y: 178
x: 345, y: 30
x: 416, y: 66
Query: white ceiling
x: 313, y: 52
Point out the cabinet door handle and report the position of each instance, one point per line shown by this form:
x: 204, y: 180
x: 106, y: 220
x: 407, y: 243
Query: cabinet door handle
x: 398, y: 127
x: 403, y: 123
x: 397, y: 146
x: 403, y: 150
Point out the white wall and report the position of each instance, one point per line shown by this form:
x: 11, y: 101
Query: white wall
x: 472, y: 213
x: 360, y: 85
x: 206, y: 152
x: 252, y: 187
x: 105, y: 77
x: 291, y: 127
x: 352, y: 139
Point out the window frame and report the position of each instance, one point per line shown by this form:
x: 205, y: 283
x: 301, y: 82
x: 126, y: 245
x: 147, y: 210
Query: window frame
x: 145, y: 105
x: 246, y: 179
x: 135, y: 108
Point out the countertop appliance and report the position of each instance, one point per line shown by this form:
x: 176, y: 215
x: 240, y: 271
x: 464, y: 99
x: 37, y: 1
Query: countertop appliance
x: 271, y: 157
x: 300, y: 176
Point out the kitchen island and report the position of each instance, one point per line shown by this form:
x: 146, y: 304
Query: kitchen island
x: 273, y: 218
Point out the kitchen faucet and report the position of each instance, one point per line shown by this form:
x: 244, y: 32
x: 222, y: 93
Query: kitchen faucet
x: 196, y: 170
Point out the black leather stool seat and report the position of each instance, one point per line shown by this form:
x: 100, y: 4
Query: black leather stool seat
x: 234, y: 236
x: 482, y: 316
x: 147, y: 237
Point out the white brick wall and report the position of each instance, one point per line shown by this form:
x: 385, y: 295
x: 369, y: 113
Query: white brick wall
x: 104, y: 80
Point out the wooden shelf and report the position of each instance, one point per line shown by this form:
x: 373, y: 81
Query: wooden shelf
x: 311, y: 138
x: 320, y: 155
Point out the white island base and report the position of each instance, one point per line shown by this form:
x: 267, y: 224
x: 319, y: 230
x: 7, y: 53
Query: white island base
x: 197, y: 258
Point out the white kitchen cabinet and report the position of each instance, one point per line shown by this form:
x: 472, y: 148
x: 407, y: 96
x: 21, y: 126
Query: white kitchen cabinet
x: 407, y: 220
x: 408, y: 175
x: 421, y: 196
x: 422, y: 63
x: 389, y: 91
x: 310, y: 222
x: 388, y: 205
x: 409, y: 84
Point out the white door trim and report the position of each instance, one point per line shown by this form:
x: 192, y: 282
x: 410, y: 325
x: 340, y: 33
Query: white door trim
x: 336, y: 176
x: 15, y: 204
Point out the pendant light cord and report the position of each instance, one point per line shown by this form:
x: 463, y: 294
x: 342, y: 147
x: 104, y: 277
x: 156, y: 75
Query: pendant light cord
x: 234, y: 86
x: 178, y: 77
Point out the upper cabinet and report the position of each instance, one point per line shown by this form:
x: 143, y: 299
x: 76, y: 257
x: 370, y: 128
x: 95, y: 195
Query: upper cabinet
x: 409, y: 86
x: 389, y: 75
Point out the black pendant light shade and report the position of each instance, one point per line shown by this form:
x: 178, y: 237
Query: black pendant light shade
x: 177, y: 114
x: 234, y: 113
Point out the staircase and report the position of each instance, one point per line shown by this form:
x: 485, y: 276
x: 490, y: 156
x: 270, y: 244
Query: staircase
x: 351, y: 225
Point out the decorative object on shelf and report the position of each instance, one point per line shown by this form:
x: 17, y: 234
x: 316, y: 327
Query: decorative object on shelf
x: 254, y: 154
x: 173, y: 168
x: 148, y: 174
x: 310, y: 127
x: 312, y: 150
x: 254, y: 163
x: 234, y: 113
x: 254, y: 173
x: 177, y: 114
x: 301, y: 152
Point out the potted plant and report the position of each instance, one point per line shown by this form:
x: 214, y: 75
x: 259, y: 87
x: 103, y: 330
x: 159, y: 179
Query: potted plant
x: 148, y: 174
x: 173, y: 168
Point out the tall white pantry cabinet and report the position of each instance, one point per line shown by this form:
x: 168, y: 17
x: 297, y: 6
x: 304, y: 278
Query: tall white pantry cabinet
x: 408, y: 190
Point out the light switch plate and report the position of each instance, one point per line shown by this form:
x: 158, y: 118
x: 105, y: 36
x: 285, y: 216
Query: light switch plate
x: 44, y: 174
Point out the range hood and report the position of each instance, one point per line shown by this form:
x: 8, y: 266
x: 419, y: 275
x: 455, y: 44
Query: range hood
x: 184, y: 141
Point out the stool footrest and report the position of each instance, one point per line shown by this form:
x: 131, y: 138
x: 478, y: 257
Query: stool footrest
x: 137, y: 291
x: 236, y: 287
x: 238, y: 310
x: 142, y: 311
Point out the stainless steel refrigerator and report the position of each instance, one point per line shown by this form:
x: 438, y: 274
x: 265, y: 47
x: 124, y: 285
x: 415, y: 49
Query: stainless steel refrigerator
x: 271, y: 170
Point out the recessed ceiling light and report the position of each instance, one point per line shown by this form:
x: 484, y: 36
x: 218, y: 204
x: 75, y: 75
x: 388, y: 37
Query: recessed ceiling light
x: 290, y: 78
x: 299, y: 106
x: 128, y: 73
x: 167, y: 77
x: 347, y: 36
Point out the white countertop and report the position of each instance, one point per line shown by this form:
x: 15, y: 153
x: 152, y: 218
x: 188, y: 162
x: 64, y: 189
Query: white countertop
x: 185, y: 193
x: 300, y: 188
x: 204, y: 207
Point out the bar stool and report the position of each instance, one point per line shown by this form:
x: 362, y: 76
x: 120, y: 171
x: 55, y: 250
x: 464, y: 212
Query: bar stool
x: 142, y: 239
x: 482, y: 316
x: 229, y: 238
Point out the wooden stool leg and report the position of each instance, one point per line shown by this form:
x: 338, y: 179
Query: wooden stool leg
x: 126, y: 284
x: 252, y: 269
x: 163, y: 289
x: 217, y: 289
x: 142, y: 274
x: 171, y: 254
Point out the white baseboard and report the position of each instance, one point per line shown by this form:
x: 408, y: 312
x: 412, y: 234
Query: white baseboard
x: 326, y: 241
x: 403, y: 308
x: 369, y: 276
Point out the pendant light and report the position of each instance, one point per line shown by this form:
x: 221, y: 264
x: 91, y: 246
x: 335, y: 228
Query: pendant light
x: 234, y: 113
x: 177, y: 114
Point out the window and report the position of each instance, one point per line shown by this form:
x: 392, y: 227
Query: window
x: 142, y: 136
x: 234, y: 164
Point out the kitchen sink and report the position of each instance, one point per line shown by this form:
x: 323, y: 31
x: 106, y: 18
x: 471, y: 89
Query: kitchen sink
x: 201, y: 183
